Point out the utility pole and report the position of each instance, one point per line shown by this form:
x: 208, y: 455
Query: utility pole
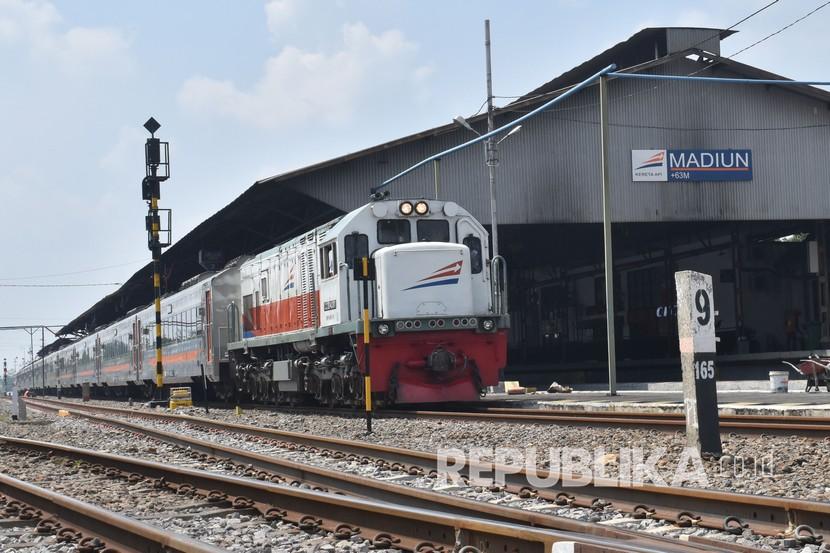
x: 491, y: 146
x: 5, y: 376
x: 606, y: 237
x: 492, y: 159
x: 157, y: 161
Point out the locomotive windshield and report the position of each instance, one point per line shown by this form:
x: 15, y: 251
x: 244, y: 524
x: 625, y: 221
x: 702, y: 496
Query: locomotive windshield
x: 433, y: 230
x: 356, y: 246
x: 476, y: 262
x: 394, y: 231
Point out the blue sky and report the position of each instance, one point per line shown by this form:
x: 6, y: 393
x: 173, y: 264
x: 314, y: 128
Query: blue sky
x: 248, y: 89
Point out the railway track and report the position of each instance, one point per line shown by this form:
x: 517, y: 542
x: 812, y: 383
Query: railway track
x: 789, y: 426
x: 385, y: 525
x: 730, y: 512
x: 36, y: 513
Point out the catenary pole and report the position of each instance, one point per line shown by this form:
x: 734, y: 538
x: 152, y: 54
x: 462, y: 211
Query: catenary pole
x: 491, y: 148
x: 607, y: 238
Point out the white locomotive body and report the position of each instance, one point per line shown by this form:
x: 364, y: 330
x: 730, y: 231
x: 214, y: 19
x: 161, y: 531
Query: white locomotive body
x: 436, y: 334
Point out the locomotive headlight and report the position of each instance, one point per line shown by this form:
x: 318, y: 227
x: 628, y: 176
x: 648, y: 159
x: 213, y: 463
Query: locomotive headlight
x: 384, y: 329
x: 488, y: 324
x: 405, y: 208
x: 422, y: 208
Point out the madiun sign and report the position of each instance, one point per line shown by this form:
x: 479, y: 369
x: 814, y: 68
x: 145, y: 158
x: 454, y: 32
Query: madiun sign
x: 691, y: 165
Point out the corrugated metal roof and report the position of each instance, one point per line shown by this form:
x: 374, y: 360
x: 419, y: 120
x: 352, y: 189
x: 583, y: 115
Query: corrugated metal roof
x: 652, y: 43
x: 549, y: 171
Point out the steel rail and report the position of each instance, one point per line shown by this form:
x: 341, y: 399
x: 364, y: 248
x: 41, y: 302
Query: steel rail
x: 384, y: 524
x: 766, y: 515
x: 553, y: 411
x: 86, y: 524
x: 795, y: 425
x: 335, y: 481
x: 785, y: 425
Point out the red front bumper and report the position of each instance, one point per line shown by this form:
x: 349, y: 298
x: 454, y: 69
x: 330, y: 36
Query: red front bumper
x: 399, y: 364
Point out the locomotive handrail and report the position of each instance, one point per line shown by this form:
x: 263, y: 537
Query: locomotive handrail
x: 498, y: 274
x: 233, y: 322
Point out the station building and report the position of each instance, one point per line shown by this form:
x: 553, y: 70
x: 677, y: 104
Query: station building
x: 726, y: 179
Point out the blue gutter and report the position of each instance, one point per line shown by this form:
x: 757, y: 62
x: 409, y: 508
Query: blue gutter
x: 501, y: 129
x: 713, y: 79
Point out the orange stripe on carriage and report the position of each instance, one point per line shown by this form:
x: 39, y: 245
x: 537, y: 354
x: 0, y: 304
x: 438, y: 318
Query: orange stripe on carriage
x: 181, y: 357
x: 172, y: 358
x: 283, y: 315
x: 116, y: 368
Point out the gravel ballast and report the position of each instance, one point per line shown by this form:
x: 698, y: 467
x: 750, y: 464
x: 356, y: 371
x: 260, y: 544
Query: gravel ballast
x: 239, y: 531
x: 449, y: 433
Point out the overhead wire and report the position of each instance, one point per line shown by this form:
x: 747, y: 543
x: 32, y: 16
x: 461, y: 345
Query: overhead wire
x: 571, y: 89
x: 79, y: 272
x: 481, y: 107
x: 695, y: 45
x: 60, y: 285
x: 656, y: 86
x: 782, y: 29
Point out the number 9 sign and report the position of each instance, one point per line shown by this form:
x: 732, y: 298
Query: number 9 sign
x: 695, y: 312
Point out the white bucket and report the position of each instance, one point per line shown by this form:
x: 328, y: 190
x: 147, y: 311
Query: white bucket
x: 779, y: 381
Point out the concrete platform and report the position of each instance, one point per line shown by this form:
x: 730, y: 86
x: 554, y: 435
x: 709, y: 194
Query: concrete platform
x: 735, y: 398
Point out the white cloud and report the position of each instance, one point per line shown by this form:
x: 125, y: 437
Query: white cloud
x: 299, y: 85
x: 125, y: 155
x: 278, y: 13
x: 37, y: 26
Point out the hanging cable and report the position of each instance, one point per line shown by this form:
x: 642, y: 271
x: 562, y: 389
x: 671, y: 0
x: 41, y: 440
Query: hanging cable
x: 782, y: 29
x: 79, y: 272
x: 59, y: 285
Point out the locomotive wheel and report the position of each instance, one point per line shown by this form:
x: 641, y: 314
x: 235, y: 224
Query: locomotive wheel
x: 337, y: 387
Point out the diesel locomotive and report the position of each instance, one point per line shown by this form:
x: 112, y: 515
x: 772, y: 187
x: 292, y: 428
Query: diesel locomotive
x: 287, y: 324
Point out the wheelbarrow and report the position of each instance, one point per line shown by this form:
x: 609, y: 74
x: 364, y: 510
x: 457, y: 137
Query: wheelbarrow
x: 816, y: 369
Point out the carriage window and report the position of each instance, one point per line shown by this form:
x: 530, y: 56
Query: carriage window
x: 356, y: 247
x: 328, y: 260
x: 433, y: 231
x: 394, y: 231
x: 476, y: 261
x: 247, y: 312
x: 263, y: 283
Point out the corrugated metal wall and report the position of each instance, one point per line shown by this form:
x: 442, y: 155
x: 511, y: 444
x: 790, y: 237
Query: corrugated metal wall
x: 550, y: 170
